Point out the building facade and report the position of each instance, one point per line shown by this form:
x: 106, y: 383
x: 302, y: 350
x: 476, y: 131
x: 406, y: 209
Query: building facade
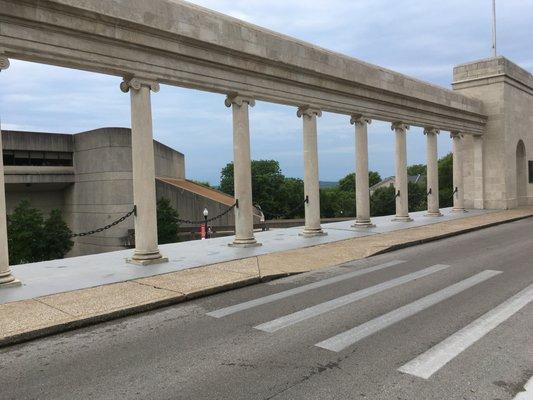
x: 88, y: 176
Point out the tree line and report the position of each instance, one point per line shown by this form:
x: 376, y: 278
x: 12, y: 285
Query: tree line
x: 282, y: 197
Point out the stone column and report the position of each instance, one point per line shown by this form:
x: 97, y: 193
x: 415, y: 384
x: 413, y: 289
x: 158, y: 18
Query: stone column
x: 458, y: 189
x: 6, y: 279
x: 311, y: 180
x: 242, y: 171
x: 479, y: 192
x: 142, y: 152
x: 400, y: 180
x: 432, y: 159
x: 362, y: 190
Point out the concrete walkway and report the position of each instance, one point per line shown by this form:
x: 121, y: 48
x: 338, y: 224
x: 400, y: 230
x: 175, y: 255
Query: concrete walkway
x: 65, y: 294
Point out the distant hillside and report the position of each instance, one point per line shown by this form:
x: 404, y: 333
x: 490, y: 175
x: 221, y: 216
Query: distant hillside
x: 327, y: 184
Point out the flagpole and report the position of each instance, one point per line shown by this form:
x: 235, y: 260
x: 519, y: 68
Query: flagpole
x: 494, y: 28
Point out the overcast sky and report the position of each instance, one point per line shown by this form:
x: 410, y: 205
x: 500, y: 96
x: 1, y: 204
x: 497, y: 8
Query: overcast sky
x: 424, y: 39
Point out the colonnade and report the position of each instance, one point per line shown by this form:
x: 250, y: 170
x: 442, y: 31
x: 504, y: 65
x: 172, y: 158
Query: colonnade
x: 146, y: 247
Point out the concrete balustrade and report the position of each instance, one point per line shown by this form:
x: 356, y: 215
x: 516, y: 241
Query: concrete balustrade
x: 144, y: 197
x: 432, y: 160
x: 6, y: 279
x: 401, y: 179
x: 311, y: 179
x: 362, y: 190
x: 457, y: 149
x: 242, y: 171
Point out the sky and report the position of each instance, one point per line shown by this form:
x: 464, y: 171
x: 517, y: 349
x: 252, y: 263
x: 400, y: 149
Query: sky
x: 423, y: 39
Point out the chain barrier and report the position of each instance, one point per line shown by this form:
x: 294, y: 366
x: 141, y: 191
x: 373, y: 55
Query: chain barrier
x: 192, y: 222
x: 105, y: 228
x: 274, y: 215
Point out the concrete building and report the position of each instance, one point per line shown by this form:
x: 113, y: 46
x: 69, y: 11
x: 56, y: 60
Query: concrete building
x: 88, y: 176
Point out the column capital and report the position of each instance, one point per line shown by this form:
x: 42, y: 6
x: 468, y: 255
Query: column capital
x: 431, y: 131
x: 358, y: 119
x: 399, y: 126
x: 308, y: 112
x: 4, y: 62
x: 238, y: 100
x: 136, y: 84
x: 456, y: 135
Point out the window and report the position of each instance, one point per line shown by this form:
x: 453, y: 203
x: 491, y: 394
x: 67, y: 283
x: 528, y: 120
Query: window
x: 37, y: 158
x: 530, y: 171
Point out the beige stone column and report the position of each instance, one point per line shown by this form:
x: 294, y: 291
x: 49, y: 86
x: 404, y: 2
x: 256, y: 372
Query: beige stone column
x: 458, y: 189
x: 142, y: 152
x: 311, y: 179
x: 362, y: 190
x: 6, y: 279
x: 242, y: 171
x: 479, y: 191
x: 400, y: 180
x: 432, y: 160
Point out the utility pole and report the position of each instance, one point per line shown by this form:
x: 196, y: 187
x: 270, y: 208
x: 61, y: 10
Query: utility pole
x: 494, y: 28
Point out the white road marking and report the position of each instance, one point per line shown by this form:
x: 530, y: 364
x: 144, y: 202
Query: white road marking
x: 322, y: 308
x: 435, y: 358
x: 343, y: 340
x: 291, y: 292
x: 527, y: 394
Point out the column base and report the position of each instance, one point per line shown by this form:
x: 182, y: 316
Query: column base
x: 9, y: 281
x: 363, y: 224
x: 433, y: 214
x: 402, y: 219
x: 245, y: 243
x: 147, y: 259
x: 307, y: 233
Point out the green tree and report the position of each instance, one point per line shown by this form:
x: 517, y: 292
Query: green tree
x: 416, y: 169
x: 446, y: 181
x: 383, y: 201
x: 335, y: 202
x: 347, y: 184
x: 292, y: 191
x: 167, y: 226
x: 25, y: 233
x: 57, y: 241
x: 417, y: 196
x: 267, y: 182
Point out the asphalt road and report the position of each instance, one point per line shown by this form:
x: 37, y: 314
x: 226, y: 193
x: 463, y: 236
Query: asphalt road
x: 451, y: 319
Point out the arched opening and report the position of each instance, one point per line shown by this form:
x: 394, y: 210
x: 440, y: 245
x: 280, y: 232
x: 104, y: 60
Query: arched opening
x: 521, y: 174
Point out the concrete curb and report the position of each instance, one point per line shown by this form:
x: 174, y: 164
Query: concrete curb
x: 180, y: 297
x: 448, y: 235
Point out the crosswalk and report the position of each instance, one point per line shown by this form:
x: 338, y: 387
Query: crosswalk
x: 426, y: 364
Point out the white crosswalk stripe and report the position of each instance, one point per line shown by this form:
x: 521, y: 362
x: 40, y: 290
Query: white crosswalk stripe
x: 301, y: 289
x: 425, y: 365
x: 322, y: 308
x: 342, y: 341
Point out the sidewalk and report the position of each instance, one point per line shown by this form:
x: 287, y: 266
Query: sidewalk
x: 49, y: 302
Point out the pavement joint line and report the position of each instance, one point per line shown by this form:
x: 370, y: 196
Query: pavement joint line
x: 322, y: 308
x: 428, y: 363
x: 350, y: 337
x: 223, y: 312
x: 157, y: 287
x: 40, y: 300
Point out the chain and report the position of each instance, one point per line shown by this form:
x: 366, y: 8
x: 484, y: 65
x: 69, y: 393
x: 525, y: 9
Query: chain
x: 105, y: 228
x: 274, y: 215
x: 192, y: 222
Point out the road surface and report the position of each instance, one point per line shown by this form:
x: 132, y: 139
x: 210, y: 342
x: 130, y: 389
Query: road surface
x: 452, y: 319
